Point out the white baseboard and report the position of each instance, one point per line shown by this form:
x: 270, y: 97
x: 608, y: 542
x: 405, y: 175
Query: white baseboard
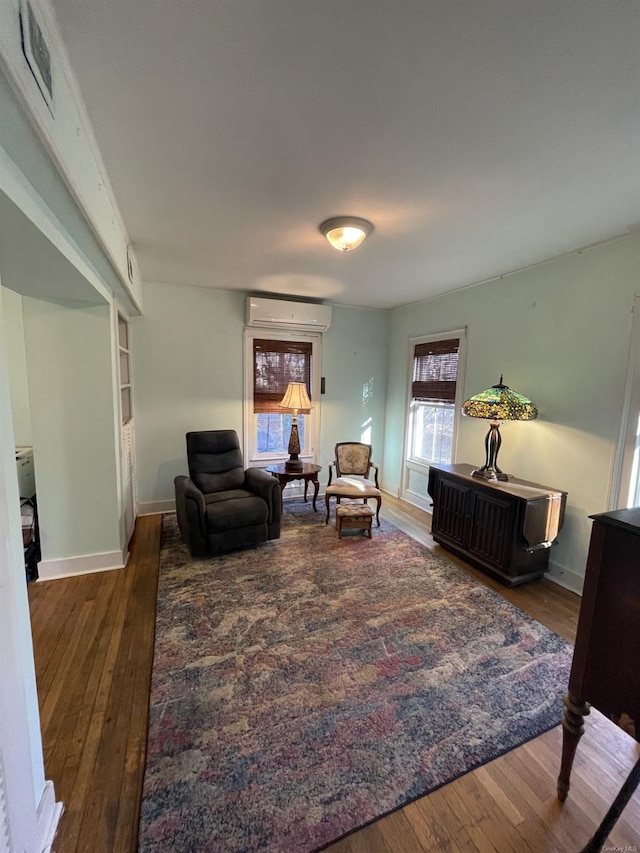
x: 292, y: 490
x: 48, y: 815
x: 418, y: 501
x: 156, y: 507
x: 295, y: 489
x: 390, y: 489
x: 67, y: 567
x: 565, y: 578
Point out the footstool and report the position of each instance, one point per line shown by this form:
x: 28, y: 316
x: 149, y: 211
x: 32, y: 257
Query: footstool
x: 353, y: 517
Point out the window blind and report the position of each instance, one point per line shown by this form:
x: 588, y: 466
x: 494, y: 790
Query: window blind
x: 435, y: 370
x: 275, y: 364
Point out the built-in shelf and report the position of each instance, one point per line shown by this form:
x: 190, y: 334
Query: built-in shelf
x: 125, y: 369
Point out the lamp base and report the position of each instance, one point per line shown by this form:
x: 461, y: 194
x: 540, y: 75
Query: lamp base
x: 492, y: 442
x: 294, y: 463
x: 490, y: 474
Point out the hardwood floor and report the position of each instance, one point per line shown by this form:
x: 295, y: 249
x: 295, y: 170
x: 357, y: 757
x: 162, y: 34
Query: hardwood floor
x: 93, y: 645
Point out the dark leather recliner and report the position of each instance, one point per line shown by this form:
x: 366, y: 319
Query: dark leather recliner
x: 221, y: 506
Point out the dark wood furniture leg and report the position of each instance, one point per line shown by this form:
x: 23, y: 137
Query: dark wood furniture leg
x: 308, y: 473
x: 626, y: 792
x: 316, y: 486
x: 572, y: 731
x: 327, y: 498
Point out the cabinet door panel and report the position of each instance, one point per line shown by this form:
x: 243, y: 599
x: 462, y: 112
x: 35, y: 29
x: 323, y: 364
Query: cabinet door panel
x: 450, y: 511
x: 491, y: 526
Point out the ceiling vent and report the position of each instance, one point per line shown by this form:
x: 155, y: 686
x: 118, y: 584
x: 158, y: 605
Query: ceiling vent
x: 280, y: 314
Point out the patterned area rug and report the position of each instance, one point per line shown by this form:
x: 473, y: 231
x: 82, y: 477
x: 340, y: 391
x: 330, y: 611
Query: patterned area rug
x: 306, y: 687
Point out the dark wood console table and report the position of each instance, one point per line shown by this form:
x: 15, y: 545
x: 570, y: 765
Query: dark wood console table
x: 504, y: 528
x: 605, y: 671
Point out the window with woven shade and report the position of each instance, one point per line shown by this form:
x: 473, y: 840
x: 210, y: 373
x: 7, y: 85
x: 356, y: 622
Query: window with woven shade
x: 273, y: 359
x: 432, y: 412
x: 275, y: 364
x: 435, y: 371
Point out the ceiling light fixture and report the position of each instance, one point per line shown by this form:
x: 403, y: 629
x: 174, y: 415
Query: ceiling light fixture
x: 345, y: 232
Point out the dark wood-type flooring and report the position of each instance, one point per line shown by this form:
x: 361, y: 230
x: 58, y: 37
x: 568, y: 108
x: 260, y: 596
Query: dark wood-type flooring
x: 93, y: 644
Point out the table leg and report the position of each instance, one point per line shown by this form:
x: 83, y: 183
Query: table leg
x: 306, y: 486
x: 316, y: 486
x: 572, y: 731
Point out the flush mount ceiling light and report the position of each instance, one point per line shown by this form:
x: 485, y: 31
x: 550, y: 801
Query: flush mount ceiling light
x: 345, y: 232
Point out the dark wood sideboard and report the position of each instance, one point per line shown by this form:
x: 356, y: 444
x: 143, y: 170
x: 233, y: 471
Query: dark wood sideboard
x: 504, y: 528
x: 605, y: 671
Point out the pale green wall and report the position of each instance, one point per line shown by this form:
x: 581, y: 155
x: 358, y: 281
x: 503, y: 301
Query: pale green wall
x: 187, y: 375
x: 560, y: 333
x: 69, y: 363
x: 187, y: 356
x: 17, y: 365
x: 354, y: 364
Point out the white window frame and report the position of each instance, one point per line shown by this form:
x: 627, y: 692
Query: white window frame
x: 312, y: 423
x: 409, y: 463
x: 626, y: 474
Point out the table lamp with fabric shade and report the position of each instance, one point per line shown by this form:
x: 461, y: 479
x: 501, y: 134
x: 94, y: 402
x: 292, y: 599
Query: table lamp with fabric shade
x: 295, y: 400
x: 496, y: 404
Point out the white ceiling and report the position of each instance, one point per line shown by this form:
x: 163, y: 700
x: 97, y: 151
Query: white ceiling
x: 479, y: 136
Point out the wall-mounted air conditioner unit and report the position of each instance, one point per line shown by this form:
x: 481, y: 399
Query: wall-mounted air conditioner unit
x: 280, y: 314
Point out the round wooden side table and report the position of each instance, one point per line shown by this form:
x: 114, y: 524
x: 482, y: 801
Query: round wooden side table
x: 309, y: 474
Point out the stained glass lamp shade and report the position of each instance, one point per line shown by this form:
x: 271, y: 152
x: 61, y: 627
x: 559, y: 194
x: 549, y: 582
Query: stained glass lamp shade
x: 498, y: 403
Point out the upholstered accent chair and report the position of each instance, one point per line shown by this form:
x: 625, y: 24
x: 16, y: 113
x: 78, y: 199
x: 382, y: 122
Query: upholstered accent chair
x: 352, y: 467
x: 220, y: 505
